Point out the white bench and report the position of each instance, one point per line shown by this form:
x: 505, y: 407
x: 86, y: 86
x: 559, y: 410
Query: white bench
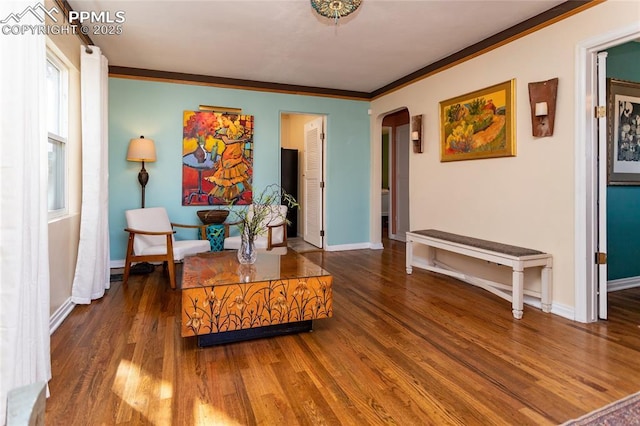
x: 518, y: 258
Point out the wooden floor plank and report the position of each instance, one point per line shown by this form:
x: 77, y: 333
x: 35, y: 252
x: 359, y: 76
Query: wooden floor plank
x: 401, y: 349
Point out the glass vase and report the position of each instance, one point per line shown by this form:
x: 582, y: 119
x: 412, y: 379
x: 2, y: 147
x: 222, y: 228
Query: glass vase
x: 247, y: 253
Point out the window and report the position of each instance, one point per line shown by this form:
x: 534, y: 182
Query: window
x: 57, y: 107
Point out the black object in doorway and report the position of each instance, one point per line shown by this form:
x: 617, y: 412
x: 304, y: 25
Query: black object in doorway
x: 289, y: 182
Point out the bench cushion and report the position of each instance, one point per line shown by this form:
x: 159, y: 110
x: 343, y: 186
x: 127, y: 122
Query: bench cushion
x: 478, y: 243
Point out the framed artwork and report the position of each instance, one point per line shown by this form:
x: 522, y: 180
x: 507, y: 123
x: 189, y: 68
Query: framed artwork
x: 217, y: 158
x: 623, y: 117
x: 479, y: 124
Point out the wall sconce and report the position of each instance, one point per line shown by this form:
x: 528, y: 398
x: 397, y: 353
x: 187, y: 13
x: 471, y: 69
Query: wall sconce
x: 142, y: 150
x: 542, y: 97
x: 416, y: 133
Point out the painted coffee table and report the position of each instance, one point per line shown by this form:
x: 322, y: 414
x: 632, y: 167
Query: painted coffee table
x: 224, y: 301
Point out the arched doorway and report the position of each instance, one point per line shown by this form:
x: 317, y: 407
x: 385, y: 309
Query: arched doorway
x: 395, y: 184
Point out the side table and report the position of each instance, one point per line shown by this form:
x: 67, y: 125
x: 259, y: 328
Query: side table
x: 215, y: 235
x: 214, y: 231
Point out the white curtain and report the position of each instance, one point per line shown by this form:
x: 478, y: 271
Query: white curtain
x: 24, y: 258
x: 92, y: 268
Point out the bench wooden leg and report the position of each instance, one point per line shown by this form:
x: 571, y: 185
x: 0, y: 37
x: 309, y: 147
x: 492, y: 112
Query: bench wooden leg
x: 409, y: 256
x: 517, y: 302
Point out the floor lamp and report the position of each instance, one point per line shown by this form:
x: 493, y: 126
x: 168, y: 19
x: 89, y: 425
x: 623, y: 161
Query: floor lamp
x: 142, y: 150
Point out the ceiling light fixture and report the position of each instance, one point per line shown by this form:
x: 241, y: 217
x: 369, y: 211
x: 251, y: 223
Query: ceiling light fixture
x: 335, y: 9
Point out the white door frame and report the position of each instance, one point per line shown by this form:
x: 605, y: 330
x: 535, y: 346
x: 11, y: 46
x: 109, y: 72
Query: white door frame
x: 603, y: 285
x: 586, y: 169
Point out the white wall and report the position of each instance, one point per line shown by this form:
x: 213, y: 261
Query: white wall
x: 64, y: 231
x: 527, y: 200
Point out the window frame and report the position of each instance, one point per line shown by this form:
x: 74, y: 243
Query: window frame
x: 60, y: 139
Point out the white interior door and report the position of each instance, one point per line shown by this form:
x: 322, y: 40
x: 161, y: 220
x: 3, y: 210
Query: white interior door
x: 603, y: 285
x: 312, y: 208
x: 401, y: 183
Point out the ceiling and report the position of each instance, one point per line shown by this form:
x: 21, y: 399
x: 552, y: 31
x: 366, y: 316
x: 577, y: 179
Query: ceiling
x: 287, y: 42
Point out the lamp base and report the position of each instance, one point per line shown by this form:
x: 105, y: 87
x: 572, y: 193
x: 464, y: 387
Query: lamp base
x: 143, y: 178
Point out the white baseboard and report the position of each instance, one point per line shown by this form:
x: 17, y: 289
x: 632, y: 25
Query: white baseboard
x: 344, y: 247
x: 376, y: 246
x: 60, y: 314
x: 564, y: 311
x: 623, y: 284
x: 118, y: 263
x: 556, y: 308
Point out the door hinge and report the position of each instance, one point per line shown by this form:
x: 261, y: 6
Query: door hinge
x: 321, y: 184
x: 322, y: 233
x: 601, y: 111
x: 601, y: 258
x: 322, y: 136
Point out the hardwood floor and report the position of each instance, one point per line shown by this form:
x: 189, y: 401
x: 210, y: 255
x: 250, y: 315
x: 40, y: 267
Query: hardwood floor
x: 401, y: 349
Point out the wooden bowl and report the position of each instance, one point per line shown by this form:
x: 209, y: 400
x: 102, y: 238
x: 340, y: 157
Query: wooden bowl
x: 210, y: 217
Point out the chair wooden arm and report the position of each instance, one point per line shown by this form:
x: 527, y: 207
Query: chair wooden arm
x: 180, y: 225
x: 228, y: 225
x: 137, y: 231
x: 270, y: 229
x: 203, y: 229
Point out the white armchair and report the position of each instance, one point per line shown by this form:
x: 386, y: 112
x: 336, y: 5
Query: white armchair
x: 151, y: 239
x: 273, y: 230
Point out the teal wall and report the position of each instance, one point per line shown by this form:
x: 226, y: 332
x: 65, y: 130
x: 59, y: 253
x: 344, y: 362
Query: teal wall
x: 154, y: 109
x: 623, y: 202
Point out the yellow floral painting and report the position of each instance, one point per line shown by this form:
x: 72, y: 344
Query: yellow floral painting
x: 479, y: 124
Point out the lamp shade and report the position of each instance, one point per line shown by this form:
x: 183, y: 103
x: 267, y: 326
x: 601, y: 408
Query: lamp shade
x: 541, y: 109
x: 141, y: 149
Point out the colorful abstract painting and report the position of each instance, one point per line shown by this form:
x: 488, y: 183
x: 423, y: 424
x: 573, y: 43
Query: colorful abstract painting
x: 217, y: 158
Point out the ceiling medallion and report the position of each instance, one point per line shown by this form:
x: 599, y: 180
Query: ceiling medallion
x: 335, y: 9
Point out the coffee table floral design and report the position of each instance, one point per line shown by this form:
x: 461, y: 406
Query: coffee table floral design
x: 229, y: 297
x: 228, y: 308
